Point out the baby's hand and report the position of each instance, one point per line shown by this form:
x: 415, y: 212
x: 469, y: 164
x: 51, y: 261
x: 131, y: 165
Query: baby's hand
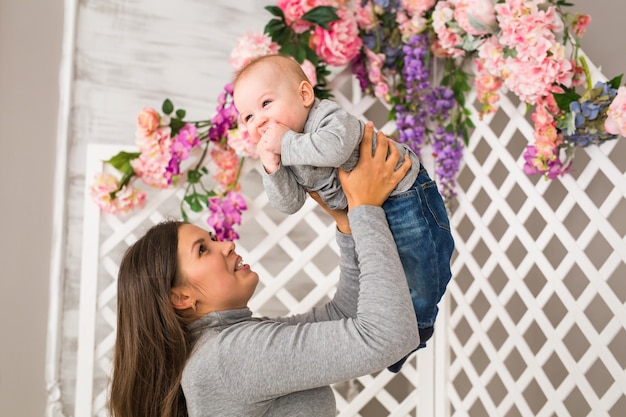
x: 273, y: 137
x: 269, y: 159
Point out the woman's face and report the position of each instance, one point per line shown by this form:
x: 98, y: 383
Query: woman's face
x: 214, y: 276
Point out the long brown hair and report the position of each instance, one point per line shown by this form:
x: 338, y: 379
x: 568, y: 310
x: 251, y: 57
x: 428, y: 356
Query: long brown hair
x: 151, y: 346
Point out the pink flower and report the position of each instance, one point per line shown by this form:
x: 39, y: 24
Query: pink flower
x: 579, y: 26
x: 615, y: 123
x: 251, y: 46
x: 242, y: 143
x: 417, y: 7
x: 126, y: 199
x: 492, y: 56
x: 544, y: 157
x: 374, y: 65
x: 487, y: 88
x: 226, y: 179
x: 541, y: 116
x: 410, y: 26
x: 148, y: 120
x: 531, y: 79
x: 475, y: 17
x: 294, y: 10
x: 309, y: 71
x: 341, y: 43
x: 524, y: 25
x: 449, y: 39
x: 365, y: 15
x: 153, y: 162
x: 227, y: 163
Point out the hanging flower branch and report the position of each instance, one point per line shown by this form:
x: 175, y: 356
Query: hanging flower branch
x: 530, y: 47
x: 166, y: 158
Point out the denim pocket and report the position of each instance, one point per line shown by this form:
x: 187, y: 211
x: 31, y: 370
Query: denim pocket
x: 435, y: 204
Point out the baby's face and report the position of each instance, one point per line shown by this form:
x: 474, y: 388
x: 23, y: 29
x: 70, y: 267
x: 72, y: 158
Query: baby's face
x: 264, y: 96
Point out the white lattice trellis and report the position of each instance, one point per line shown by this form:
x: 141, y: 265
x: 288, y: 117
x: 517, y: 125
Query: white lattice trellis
x: 537, y: 315
x: 538, y: 318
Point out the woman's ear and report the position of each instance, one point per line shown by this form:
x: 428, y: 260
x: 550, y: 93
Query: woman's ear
x: 179, y: 298
x: 307, y: 94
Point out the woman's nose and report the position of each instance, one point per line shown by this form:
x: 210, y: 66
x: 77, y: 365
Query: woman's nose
x: 229, y: 246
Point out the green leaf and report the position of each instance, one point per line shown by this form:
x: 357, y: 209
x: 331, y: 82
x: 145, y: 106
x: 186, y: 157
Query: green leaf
x: 321, y: 15
x: 193, y: 176
x: 312, y: 56
x: 567, y: 123
x: 180, y: 113
x: 322, y: 92
x: 176, y: 125
x: 194, y: 202
x: 295, y: 50
x: 121, y: 161
x: 276, y: 29
x: 563, y: 100
x: 616, y: 81
x: 276, y: 11
x: 528, y: 107
x: 465, y: 138
x: 128, y: 175
x: 471, y: 43
x: 168, y: 106
x: 509, y: 52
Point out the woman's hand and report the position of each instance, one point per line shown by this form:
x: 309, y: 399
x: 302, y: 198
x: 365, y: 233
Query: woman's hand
x: 339, y: 216
x: 375, y: 176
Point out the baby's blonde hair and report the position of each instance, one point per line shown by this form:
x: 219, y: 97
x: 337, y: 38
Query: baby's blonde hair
x: 283, y: 63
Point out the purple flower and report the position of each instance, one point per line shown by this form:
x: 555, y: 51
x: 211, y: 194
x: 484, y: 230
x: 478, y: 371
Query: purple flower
x: 182, y: 143
x: 226, y: 117
x: 225, y: 213
x: 448, y: 150
x: 535, y: 164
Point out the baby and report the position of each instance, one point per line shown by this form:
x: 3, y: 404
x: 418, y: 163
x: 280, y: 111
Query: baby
x: 303, y: 140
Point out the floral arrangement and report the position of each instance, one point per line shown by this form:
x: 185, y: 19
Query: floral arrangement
x: 421, y: 57
x: 167, y: 143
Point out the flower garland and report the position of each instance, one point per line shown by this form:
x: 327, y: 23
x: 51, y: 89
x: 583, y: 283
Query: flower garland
x: 531, y: 47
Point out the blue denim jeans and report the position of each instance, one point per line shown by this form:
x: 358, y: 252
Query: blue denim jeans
x: 421, y: 229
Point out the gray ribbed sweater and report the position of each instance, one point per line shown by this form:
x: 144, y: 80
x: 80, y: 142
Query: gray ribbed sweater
x: 244, y: 366
x: 309, y: 160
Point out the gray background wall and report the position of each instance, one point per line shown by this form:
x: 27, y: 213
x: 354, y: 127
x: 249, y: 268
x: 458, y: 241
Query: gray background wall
x: 30, y: 54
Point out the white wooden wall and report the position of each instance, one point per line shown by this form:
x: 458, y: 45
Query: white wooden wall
x: 537, y: 316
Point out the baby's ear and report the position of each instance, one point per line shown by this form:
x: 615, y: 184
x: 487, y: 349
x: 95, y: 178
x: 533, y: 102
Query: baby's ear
x: 306, y: 93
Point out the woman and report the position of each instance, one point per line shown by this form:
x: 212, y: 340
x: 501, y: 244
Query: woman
x: 187, y: 344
